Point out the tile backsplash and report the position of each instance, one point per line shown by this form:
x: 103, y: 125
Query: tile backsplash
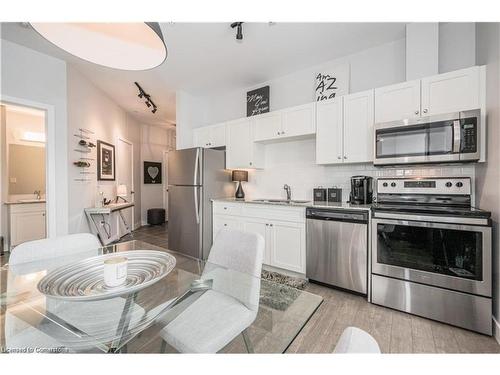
x: 293, y: 163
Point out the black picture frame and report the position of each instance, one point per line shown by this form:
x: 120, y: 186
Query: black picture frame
x: 106, y: 166
x: 258, y: 101
x: 149, y: 176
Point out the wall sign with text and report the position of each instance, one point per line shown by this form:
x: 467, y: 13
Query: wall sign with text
x: 258, y: 101
x: 333, y: 84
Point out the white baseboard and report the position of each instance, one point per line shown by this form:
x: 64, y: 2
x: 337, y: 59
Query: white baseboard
x: 496, y: 330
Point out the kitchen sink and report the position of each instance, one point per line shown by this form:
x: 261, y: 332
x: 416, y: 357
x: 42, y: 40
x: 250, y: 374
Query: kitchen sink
x: 281, y: 201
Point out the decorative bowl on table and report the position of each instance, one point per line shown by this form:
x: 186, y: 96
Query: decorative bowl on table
x: 84, y: 280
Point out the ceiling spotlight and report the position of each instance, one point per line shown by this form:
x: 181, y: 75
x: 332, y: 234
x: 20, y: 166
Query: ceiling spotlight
x: 239, y: 30
x: 143, y: 94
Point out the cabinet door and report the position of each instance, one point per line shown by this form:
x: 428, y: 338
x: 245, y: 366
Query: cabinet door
x: 397, y: 102
x: 288, y: 246
x: 221, y: 221
x: 298, y: 120
x: 27, y: 226
x: 358, y: 127
x: 329, y: 131
x: 451, y: 92
x: 261, y: 227
x: 239, y: 144
x: 201, y: 137
x: 267, y: 126
x: 218, y: 135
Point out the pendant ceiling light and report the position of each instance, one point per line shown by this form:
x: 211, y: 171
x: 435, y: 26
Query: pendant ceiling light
x: 127, y: 46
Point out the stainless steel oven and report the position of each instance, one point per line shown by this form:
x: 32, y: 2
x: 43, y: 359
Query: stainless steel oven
x: 452, y: 137
x: 432, y: 251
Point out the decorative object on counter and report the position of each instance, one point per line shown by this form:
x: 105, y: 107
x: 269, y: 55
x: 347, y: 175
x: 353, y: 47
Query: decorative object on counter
x: 106, y: 202
x: 105, y: 161
x: 334, y: 194
x: 258, y: 101
x: 126, y: 46
x: 361, y: 190
x: 99, y: 201
x: 148, y: 101
x: 319, y: 194
x: 152, y: 172
x: 240, y: 176
x: 84, y: 280
x: 332, y: 85
x: 121, y: 193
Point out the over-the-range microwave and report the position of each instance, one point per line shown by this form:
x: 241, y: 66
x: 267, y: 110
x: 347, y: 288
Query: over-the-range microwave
x: 453, y: 137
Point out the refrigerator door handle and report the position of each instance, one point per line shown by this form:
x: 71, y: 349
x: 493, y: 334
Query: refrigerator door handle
x: 196, y: 205
x: 196, y: 166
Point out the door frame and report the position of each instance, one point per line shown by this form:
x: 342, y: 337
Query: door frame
x: 165, y: 182
x: 132, y: 187
x: 50, y: 159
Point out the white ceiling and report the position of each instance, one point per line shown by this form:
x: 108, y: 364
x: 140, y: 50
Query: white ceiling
x: 205, y: 58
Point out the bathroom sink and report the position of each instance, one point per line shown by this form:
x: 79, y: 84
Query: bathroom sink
x: 31, y: 200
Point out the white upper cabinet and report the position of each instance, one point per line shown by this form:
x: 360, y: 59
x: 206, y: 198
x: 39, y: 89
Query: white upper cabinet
x: 397, y: 102
x: 210, y: 136
x: 298, y: 121
x: 329, y: 132
x: 267, y: 126
x: 451, y: 92
x: 288, y: 123
x: 358, y: 127
x: 241, y: 150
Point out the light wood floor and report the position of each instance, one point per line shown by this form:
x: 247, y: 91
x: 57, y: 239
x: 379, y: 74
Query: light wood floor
x: 396, y: 332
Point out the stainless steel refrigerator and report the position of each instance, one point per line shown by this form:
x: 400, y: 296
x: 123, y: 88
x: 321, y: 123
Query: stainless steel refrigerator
x: 195, y: 176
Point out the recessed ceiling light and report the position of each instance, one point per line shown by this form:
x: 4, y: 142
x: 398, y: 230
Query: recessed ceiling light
x: 126, y: 46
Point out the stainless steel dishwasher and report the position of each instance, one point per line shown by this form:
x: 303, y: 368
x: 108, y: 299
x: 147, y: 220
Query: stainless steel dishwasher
x: 337, y: 252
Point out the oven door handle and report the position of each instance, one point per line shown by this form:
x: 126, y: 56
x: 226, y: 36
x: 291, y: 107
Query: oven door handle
x: 435, y: 220
x: 425, y: 224
x: 456, y: 136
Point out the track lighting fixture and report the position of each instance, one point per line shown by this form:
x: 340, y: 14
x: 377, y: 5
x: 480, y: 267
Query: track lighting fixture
x: 239, y: 30
x: 143, y: 94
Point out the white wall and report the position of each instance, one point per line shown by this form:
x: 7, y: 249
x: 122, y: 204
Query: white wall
x: 90, y: 108
x: 189, y: 113
x: 33, y: 76
x: 155, y: 141
x: 457, y: 45
x: 488, y: 174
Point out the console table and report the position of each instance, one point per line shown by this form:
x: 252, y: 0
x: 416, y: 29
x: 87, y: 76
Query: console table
x: 99, y: 222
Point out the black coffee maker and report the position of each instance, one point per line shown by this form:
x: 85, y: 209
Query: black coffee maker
x: 361, y: 190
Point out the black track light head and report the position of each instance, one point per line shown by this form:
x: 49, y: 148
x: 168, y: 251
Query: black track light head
x: 148, y: 104
x: 153, y: 110
x: 239, y: 30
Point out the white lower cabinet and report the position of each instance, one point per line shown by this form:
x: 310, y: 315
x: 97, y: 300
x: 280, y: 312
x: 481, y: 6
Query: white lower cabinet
x: 27, y: 223
x: 283, y: 229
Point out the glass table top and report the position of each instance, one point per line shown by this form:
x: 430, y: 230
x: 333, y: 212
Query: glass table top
x: 154, y: 319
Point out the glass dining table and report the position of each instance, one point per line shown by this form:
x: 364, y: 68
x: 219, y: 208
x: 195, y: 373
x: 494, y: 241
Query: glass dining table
x: 146, y: 320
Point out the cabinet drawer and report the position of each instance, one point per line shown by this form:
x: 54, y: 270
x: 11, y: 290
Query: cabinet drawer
x: 294, y: 214
x: 227, y: 208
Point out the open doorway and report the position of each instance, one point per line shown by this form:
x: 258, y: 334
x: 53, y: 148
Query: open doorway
x: 24, y: 174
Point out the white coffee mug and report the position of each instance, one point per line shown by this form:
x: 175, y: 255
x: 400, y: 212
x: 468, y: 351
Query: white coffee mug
x: 115, y: 271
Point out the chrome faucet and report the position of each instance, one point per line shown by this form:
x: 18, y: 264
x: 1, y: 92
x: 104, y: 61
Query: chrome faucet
x: 288, y: 191
x: 37, y: 193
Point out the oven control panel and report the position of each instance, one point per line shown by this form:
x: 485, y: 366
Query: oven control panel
x: 422, y: 185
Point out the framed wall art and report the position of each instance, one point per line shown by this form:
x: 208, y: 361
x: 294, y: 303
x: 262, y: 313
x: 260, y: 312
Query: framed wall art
x: 105, y: 161
x: 152, y: 172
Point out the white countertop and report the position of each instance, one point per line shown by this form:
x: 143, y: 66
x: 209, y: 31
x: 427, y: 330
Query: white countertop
x: 343, y: 205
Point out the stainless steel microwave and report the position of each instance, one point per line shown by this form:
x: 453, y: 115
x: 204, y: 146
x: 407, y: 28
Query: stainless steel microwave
x: 453, y: 137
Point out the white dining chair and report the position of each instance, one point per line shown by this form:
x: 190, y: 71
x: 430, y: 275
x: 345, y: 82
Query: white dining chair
x: 231, y: 305
x: 95, y: 318
x: 355, y: 340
